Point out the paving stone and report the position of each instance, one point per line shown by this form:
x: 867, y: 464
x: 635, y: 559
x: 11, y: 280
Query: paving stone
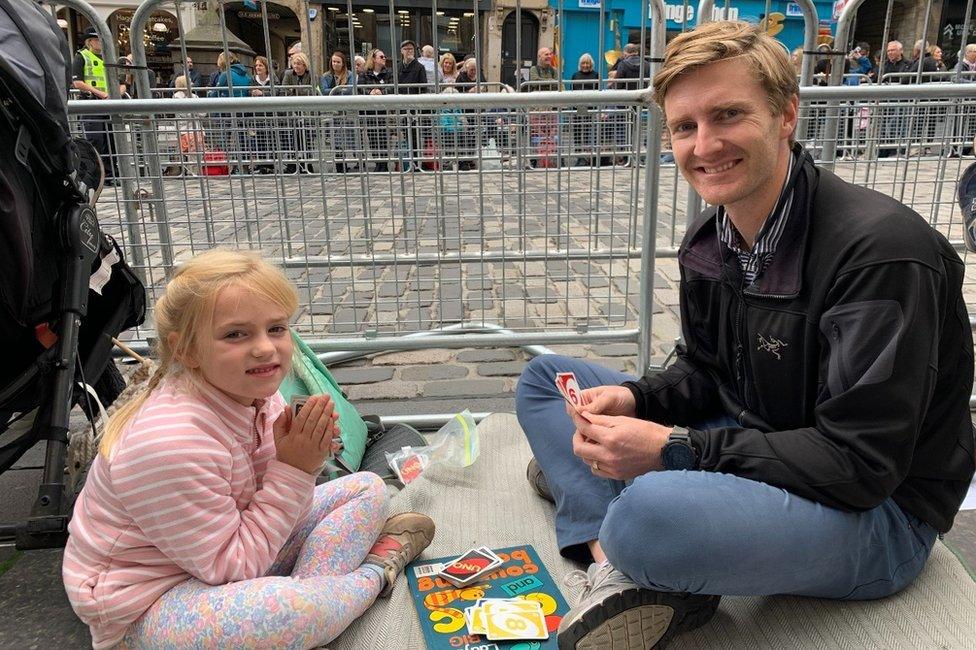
x: 541, y: 295
x: 575, y: 351
x: 391, y: 289
x: 451, y: 311
x: 466, y: 388
x: 384, y: 390
x: 595, y: 281
x: 412, y: 357
x: 615, y: 349
x: 418, y: 318
x: 348, y: 376
x: 474, y: 284
x: 501, y: 369
x: 486, y: 355
x: 615, y: 363
x: 322, y: 308
x: 432, y: 372
x: 449, y: 291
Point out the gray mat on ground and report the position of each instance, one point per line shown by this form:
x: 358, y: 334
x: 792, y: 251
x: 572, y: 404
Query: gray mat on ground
x: 937, y: 611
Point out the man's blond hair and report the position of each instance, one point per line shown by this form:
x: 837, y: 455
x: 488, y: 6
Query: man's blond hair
x: 722, y: 40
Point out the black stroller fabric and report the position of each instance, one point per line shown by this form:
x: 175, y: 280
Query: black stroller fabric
x: 37, y: 188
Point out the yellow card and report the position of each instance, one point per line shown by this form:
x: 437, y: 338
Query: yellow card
x: 522, y: 620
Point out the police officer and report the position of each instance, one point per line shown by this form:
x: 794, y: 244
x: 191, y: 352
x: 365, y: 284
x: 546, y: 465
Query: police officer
x: 90, y: 77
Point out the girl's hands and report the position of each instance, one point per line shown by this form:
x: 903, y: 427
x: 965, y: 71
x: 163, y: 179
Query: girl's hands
x: 305, y: 440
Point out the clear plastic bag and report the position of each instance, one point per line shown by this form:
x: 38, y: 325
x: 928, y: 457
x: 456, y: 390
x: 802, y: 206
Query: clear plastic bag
x: 455, y: 444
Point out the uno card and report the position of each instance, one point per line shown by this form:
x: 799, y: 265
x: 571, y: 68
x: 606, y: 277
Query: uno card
x: 297, y: 402
x: 569, y: 388
x: 410, y: 466
x: 567, y: 385
x: 515, y: 620
x: 475, y: 619
x: 469, y: 567
x: 489, y: 552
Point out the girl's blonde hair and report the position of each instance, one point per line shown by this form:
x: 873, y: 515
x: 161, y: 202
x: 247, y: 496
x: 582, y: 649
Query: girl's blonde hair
x: 301, y: 58
x: 185, y: 312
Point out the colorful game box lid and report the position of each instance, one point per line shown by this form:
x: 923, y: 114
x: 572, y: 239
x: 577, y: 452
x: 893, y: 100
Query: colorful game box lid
x: 440, y: 605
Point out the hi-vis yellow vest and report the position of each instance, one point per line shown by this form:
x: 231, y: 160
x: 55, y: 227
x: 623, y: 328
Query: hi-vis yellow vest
x: 94, y: 70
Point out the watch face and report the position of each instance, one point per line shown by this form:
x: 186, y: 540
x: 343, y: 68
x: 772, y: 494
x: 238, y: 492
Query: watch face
x: 678, y: 456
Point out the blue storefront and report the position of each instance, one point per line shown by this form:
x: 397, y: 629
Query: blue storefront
x: 622, y: 23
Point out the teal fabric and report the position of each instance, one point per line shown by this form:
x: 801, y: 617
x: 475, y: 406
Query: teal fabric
x: 309, y: 376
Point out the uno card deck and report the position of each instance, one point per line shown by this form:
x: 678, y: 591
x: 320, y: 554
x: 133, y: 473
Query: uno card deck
x: 514, y: 593
x: 469, y: 566
x: 410, y: 466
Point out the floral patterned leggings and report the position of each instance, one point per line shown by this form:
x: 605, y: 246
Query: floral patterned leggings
x: 312, y: 592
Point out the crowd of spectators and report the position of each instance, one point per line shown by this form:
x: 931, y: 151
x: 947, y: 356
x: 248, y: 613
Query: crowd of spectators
x: 459, y: 137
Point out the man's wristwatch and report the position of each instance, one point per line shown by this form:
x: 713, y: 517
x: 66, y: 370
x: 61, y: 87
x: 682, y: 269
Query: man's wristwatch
x: 678, y: 452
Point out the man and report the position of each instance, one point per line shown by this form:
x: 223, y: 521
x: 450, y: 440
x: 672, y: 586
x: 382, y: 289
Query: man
x: 412, y: 80
x: 429, y: 62
x: 966, y: 122
x: 293, y: 49
x: 893, y: 124
x: 967, y: 65
x: 411, y: 71
x: 924, y: 60
x: 630, y: 71
x: 89, y: 77
x: 895, y: 63
x: 813, y: 436
x: 858, y: 64
x: 543, y: 71
x: 193, y: 75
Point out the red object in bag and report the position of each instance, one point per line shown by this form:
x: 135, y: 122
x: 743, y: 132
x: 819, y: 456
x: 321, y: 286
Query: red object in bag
x: 212, y: 169
x: 430, y: 156
x: 547, y: 154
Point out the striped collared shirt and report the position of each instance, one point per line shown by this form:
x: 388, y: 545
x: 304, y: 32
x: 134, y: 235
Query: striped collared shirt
x: 754, y: 262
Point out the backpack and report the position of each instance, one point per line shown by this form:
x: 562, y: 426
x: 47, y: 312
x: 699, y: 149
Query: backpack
x: 309, y: 376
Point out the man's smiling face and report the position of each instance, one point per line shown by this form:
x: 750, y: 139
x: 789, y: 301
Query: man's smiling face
x: 727, y: 142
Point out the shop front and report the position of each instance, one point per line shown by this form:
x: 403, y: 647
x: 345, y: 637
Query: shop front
x: 622, y: 21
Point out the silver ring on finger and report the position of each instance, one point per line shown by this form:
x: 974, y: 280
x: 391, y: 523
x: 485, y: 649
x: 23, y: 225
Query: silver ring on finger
x: 595, y: 465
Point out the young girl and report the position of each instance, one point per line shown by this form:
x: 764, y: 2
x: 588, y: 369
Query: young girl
x: 200, y: 525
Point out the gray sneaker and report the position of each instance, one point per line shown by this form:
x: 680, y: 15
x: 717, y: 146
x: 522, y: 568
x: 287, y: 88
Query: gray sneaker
x: 616, y: 614
x: 535, y: 477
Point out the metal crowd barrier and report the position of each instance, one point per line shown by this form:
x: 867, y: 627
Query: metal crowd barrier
x: 397, y: 215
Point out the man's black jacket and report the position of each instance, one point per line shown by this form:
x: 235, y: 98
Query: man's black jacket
x: 848, y: 365
x: 412, y: 73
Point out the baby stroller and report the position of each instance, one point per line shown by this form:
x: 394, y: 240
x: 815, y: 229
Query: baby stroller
x: 65, y: 290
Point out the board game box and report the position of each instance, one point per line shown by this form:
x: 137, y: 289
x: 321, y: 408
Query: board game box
x: 440, y: 605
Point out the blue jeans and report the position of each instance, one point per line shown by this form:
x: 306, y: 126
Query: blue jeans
x: 706, y: 532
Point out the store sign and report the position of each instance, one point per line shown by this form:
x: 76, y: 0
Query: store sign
x: 256, y: 15
x: 589, y: 4
x: 793, y: 9
x: 679, y: 13
x: 839, y: 7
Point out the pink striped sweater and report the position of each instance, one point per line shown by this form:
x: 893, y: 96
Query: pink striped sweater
x: 192, y: 489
